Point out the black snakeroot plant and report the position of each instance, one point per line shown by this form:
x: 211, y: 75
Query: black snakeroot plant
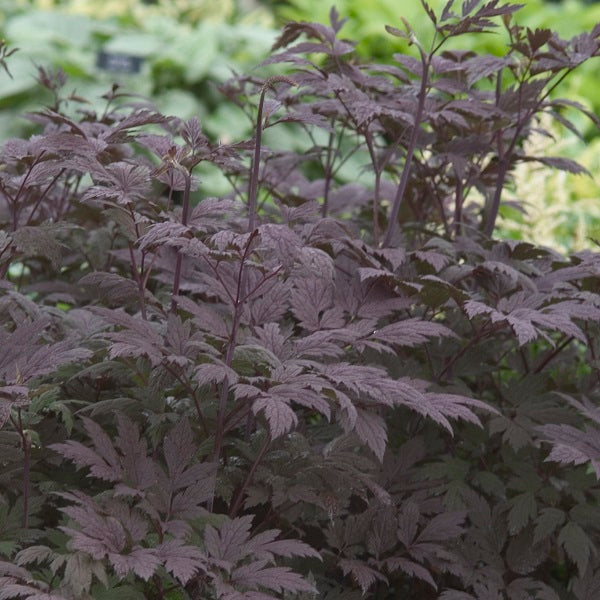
x: 317, y: 386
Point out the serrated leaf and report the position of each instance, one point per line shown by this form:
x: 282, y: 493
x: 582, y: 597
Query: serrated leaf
x: 228, y: 541
x: 411, y: 568
x: 78, y: 572
x: 371, y: 430
x: 143, y: 562
x: 34, y: 554
x: 280, y: 417
x: 523, y: 509
x: 408, y: 522
x: 411, y: 332
x: 215, y: 372
x: 254, y: 356
x: 288, y: 548
x: 547, y: 522
x: 578, y: 546
x: 179, y: 447
x: 183, y: 562
x: 103, y: 461
x: 278, y: 579
x: 360, y: 572
x: 443, y: 527
x: 561, y: 163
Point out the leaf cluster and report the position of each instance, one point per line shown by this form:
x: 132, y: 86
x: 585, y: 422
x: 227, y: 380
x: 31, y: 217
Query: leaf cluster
x: 304, y: 387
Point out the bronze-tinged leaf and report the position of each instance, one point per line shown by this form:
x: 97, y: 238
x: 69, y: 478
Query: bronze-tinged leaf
x: 411, y: 568
x: 396, y: 32
x: 103, y: 461
x: 577, y: 544
x: 468, y: 6
x: 571, y: 445
x: 408, y: 522
x: 38, y: 241
x: 561, y: 163
x: 429, y: 11
x: 278, y: 579
x: 523, y: 508
x: 227, y: 543
x: 215, y: 372
x: 538, y: 37
x: 411, y: 332
x: 371, y: 430
x: 182, y: 561
x: 280, y: 417
x: 444, y: 526
x: 143, y: 562
x: 546, y: 523
x: 361, y: 573
x: 115, y: 289
x: 121, y: 183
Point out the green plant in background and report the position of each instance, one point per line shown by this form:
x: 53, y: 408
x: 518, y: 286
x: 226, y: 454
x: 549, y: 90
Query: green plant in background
x: 137, y: 10
x: 562, y: 210
x: 189, y: 11
x: 184, y: 47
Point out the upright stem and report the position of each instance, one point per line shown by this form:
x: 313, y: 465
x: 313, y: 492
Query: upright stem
x: 253, y: 185
x: 505, y: 156
x: 492, y: 213
x: 43, y: 195
x: 184, y: 220
x: 376, y: 192
x: 237, y: 313
x: 425, y: 61
x: 138, y: 275
x: 139, y: 281
x: 552, y: 354
x: 26, y: 447
x: 253, y: 188
x: 327, y: 171
x: 15, y: 212
x: 237, y: 502
x: 26, y: 443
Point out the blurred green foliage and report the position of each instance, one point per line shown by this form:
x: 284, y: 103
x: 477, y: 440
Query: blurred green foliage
x: 562, y: 210
x: 187, y: 47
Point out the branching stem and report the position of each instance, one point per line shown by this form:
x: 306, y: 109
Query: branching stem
x: 184, y: 221
x: 410, y: 150
x: 254, y: 169
x: 237, y: 502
